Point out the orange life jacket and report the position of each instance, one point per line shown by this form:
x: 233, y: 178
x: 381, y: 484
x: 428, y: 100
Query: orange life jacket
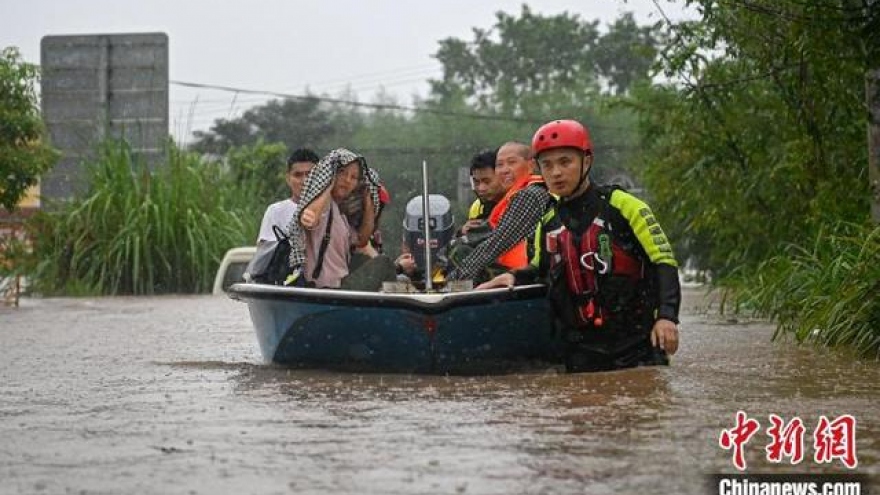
x: 516, y: 256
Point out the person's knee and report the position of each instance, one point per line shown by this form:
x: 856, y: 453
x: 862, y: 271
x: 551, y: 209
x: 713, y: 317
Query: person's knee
x: 581, y: 360
x: 370, y: 274
x: 580, y: 357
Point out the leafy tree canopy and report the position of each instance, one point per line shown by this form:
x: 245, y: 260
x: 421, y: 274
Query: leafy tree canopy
x: 522, y: 58
x: 294, y: 122
x: 762, y: 143
x: 24, y: 154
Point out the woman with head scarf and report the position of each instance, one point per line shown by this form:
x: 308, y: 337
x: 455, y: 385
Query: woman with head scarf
x: 338, y: 211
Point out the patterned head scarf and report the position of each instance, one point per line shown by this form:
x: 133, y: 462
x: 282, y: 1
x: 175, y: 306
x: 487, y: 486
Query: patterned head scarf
x: 319, y: 179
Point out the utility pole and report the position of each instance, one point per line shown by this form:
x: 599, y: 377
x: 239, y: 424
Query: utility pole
x: 873, y: 100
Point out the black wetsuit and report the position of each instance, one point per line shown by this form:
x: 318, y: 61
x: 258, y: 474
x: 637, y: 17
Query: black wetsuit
x: 622, y: 338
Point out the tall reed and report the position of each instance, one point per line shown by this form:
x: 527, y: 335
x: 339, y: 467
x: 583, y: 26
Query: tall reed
x: 137, y: 232
x: 828, y: 293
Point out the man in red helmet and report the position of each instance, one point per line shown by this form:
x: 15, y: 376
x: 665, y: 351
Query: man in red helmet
x: 612, y: 275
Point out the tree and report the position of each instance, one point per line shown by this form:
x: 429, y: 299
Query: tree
x: 518, y: 57
x: 513, y: 67
x: 24, y: 154
x: 626, y: 52
x: 259, y: 169
x: 294, y: 122
x: 762, y: 144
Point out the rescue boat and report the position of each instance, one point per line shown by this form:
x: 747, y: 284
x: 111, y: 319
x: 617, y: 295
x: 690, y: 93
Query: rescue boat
x: 471, y: 332
x: 439, y: 330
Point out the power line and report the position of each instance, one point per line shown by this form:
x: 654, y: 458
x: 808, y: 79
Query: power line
x: 452, y: 150
x: 831, y: 8
x: 221, y: 105
x: 357, y: 84
x: 377, y: 106
x: 377, y: 75
x: 385, y: 79
x: 757, y: 77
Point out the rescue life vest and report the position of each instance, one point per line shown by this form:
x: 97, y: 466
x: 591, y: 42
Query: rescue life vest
x: 517, y: 256
x: 589, y: 262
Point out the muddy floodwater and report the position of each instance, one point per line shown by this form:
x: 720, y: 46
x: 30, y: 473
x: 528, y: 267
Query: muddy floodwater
x: 169, y: 395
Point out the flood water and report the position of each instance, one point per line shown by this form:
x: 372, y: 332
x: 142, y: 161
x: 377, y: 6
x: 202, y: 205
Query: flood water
x: 169, y: 395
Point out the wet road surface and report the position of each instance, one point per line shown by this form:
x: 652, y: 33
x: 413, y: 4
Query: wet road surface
x: 169, y: 395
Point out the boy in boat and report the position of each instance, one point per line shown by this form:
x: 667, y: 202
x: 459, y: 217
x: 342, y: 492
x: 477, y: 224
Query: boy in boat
x: 279, y: 214
x: 269, y: 264
x: 513, y: 218
x: 487, y: 186
x: 489, y: 190
x: 613, y: 279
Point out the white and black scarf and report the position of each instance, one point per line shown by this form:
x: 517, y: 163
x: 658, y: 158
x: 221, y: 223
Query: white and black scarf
x: 318, y: 180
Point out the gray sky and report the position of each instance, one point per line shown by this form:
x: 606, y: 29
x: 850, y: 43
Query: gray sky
x: 288, y: 46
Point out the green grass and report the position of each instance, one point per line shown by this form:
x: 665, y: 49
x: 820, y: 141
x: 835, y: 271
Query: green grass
x: 827, y: 293
x: 137, y: 232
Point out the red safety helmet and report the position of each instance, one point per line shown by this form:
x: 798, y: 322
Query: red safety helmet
x: 561, y: 134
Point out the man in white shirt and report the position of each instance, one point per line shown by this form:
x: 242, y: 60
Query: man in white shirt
x: 280, y: 214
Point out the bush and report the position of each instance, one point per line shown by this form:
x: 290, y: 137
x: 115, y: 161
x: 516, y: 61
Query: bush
x: 137, y: 232
x: 825, y: 293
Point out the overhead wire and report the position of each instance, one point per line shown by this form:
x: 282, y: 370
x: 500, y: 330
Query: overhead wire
x: 220, y: 105
x: 729, y: 140
x: 371, y: 76
x: 210, y: 108
x: 376, y: 106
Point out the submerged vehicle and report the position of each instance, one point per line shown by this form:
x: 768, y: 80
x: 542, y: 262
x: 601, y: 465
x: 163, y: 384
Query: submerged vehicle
x: 232, y: 268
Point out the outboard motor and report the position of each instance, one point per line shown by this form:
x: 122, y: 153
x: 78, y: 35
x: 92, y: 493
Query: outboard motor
x: 441, y: 224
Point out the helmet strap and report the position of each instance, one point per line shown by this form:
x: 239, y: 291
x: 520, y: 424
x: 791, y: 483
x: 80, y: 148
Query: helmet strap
x: 584, y: 174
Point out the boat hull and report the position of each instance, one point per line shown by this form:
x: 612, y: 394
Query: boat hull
x: 476, y: 332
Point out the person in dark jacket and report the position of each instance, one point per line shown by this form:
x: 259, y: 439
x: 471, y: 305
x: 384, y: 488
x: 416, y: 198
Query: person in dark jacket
x: 611, y: 272
x: 487, y: 186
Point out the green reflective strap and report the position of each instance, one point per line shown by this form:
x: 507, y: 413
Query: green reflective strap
x: 605, y: 247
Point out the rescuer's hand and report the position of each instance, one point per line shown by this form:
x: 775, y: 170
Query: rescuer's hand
x: 503, y: 280
x: 665, y: 335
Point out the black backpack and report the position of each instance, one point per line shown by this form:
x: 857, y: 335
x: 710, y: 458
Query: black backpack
x: 271, y: 264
